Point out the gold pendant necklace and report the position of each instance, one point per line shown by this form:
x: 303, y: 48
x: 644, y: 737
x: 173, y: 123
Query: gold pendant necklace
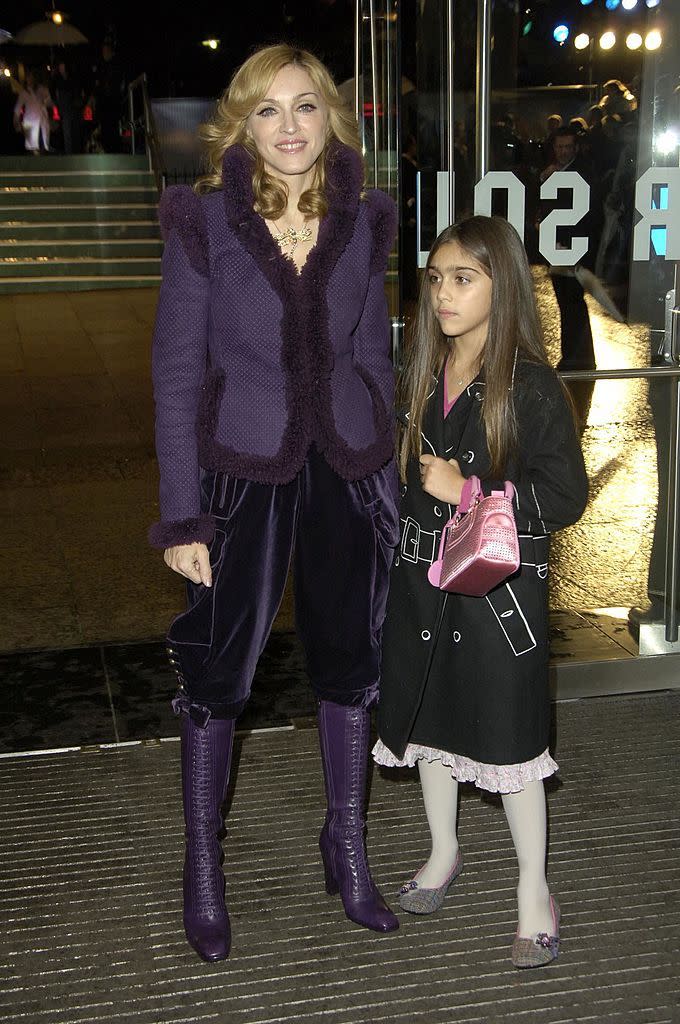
x: 292, y: 236
x: 462, y: 380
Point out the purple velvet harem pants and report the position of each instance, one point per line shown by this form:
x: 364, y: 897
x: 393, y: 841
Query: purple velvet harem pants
x: 340, y: 535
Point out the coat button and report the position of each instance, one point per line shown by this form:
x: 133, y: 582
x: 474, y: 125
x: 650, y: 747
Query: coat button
x: 426, y: 634
x: 456, y: 637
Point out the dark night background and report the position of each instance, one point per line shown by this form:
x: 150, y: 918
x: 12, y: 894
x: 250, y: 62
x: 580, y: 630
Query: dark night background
x: 164, y: 39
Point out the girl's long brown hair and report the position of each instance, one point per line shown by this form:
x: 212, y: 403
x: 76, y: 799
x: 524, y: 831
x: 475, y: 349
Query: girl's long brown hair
x: 227, y: 127
x: 514, y: 333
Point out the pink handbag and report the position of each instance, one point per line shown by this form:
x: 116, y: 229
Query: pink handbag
x: 479, y: 546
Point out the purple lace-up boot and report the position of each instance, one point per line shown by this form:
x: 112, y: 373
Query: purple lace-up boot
x: 206, y: 758
x: 344, y: 737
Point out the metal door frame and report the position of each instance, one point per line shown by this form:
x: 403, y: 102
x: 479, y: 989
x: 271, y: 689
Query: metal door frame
x: 569, y: 679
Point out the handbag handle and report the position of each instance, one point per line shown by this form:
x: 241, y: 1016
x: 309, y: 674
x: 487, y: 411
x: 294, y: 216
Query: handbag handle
x: 472, y: 492
x: 469, y: 495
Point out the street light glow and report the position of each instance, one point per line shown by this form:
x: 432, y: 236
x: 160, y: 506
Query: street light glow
x: 7, y: 73
x: 582, y: 40
x: 560, y: 34
x: 629, y: 5
x: 212, y: 44
x: 634, y: 41
x: 57, y: 17
x: 607, y: 40
x: 653, y: 40
x: 611, y: 5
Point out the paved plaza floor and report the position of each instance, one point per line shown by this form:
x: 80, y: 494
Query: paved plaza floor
x: 91, y: 851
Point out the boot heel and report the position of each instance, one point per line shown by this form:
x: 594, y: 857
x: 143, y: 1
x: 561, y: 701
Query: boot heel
x: 332, y: 886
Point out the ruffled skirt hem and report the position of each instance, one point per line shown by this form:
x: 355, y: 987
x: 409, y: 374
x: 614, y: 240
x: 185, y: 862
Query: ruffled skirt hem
x: 495, y: 778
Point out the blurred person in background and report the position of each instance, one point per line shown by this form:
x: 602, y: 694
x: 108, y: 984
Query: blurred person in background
x: 32, y: 114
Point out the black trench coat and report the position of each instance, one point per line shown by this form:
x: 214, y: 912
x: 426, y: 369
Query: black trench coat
x: 469, y: 675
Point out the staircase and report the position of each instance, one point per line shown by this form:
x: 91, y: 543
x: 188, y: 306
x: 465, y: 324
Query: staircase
x: 73, y: 223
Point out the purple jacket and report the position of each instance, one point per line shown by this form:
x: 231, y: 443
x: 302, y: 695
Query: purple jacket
x: 253, y: 362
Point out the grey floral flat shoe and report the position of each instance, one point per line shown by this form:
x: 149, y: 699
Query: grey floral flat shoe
x: 417, y: 900
x: 540, y: 949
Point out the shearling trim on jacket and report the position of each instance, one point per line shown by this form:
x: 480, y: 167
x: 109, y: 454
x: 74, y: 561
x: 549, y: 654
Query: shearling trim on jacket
x: 181, y: 208
x: 384, y: 222
x: 211, y: 235
x: 187, y: 531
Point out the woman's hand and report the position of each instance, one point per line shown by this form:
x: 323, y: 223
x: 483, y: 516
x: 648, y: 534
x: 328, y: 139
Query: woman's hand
x: 190, y: 560
x: 441, y: 479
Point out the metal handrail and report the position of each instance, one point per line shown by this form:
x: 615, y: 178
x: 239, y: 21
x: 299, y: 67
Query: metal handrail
x: 621, y: 374
x: 148, y: 124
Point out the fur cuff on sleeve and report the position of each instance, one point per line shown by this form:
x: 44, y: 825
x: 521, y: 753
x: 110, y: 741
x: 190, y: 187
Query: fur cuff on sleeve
x: 180, y: 208
x: 183, y: 531
x: 384, y: 221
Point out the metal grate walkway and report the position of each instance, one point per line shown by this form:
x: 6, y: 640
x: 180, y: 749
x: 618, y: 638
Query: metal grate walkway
x: 90, y: 857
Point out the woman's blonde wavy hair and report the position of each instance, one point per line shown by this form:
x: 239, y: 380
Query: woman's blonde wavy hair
x: 227, y: 127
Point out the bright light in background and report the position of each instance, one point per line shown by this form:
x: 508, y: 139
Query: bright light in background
x: 212, y: 44
x: 582, y: 40
x: 653, y: 40
x: 667, y: 142
x: 7, y: 73
x: 634, y: 41
x: 560, y: 34
x: 586, y: 2
x: 652, y: 3
x: 57, y: 17
x: 607, y: 40
x: 629, y: 5
x: 611, y: 5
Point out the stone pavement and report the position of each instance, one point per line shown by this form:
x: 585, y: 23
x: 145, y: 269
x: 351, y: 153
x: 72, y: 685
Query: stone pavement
x: 90, y: 861
x: 79, y: 481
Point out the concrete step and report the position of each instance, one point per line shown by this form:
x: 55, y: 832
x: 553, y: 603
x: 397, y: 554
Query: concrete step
x: 102, y: 248
x: 91, y: 212
x: 22, y: 285
x: 43, y: 195
x: 19, y: 231
x: 76, y: 179
x: 82, y: 162
x: 59, y: 266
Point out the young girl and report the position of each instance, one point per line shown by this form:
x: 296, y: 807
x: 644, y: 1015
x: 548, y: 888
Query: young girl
x: 464, y: 689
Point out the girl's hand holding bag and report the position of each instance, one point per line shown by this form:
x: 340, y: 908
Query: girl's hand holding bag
x: 479, y: 547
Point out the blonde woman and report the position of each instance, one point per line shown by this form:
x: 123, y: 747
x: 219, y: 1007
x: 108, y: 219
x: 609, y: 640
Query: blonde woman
x: 274, y: 392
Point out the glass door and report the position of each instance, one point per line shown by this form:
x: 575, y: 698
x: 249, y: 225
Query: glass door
x: 570, y: 127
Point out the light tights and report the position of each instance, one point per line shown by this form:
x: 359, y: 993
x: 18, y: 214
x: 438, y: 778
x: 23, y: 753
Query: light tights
x: 527, y: 818
x: 440, y: 794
